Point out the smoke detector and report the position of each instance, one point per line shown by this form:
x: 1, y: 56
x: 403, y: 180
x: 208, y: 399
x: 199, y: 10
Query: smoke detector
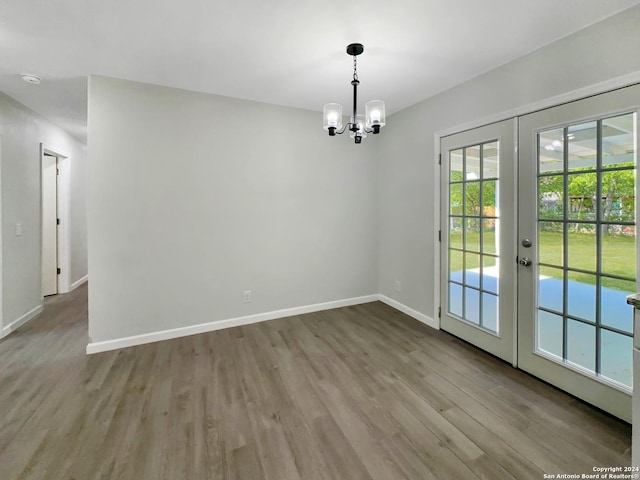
x: 30, y: 78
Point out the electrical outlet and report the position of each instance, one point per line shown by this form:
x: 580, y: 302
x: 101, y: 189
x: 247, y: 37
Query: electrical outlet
x: 247, y: 296
x: 398, y: 286
x: 18, y: 229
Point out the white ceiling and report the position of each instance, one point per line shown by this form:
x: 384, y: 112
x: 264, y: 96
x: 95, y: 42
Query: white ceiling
x: 286, y: 52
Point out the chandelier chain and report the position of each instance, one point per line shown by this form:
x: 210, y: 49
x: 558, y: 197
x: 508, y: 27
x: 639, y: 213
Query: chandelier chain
x: 355, y: 71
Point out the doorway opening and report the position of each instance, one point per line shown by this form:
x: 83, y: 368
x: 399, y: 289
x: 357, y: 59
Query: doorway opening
x: 54, y: 221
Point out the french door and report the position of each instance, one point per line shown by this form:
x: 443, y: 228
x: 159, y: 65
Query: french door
x: 477, y: 301
x: 538, y: 275
x: 577, y: 204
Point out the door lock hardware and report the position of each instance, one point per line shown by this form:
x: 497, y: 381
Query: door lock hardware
x: 525, y: 261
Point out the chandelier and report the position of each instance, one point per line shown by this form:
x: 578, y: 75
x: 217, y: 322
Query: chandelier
x: 360, y: 125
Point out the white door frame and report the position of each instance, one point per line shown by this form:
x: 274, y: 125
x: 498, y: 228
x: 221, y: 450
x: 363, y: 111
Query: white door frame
x: 1, y: 269
x: 63, y: 192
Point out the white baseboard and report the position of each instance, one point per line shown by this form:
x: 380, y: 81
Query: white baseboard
x: 77, y: 283
x: 13, y: 326
x: 96, y: 347
x: 421, y: 317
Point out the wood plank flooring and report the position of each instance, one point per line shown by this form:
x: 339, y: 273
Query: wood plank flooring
x: 361, y: 392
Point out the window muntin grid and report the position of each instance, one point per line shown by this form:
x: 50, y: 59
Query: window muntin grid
x: 587, y: 245
x: 473, y: 285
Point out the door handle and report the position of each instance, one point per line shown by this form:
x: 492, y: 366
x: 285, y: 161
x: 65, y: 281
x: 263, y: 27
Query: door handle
x: 525, y: 261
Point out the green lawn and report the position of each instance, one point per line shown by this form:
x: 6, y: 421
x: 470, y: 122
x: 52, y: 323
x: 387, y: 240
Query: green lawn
x: 618, y: 255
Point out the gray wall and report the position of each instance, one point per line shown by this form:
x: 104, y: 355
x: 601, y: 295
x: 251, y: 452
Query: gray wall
x: 194, y: 198
x: 406, y: 179
x: 22, y: 131
x: 220, y: 196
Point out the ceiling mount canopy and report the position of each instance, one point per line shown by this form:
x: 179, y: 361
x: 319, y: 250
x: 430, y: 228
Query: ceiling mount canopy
x: 359, y: 125
x: 355, y: 49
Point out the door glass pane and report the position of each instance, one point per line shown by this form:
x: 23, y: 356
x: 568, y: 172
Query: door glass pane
x: 472, y: 269
x: 618, y: 255
x: 582, y: 146
x: 549, y: 333
x: 489, y: 239
x: 490, y: 160
x: 618, y: 141
x: 581, y: 344
x: 472, y: 198
x: 473, y: 241
x: 550, y: 152
x: 489, y: 197
x: 456, y: 266
x: 581, y: 251
x: 582, y: 188
x: 581, y: 296
x: 618, y: 196
x: 550, y: 288
x: 455, y: 166
x: 472, y: 305
x: 490, y: 312
x: 551, y: 197
x: 617, y: 356
x: 456, y: 197
x: 551, y: 243
x: 490, y: 273
x: 614, y: 310
x: 456, y: 228
x: 472, y: 234
x: 587, y: 244
x: 472, y: 164
x: 455, y: 299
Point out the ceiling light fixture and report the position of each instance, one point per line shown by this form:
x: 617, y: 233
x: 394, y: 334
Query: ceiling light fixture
x: 373, y: 119
x: 30, y: 78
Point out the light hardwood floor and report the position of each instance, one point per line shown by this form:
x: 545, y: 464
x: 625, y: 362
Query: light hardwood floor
x: 353, y: 393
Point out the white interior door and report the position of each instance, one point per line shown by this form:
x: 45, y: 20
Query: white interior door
x: 577, y: 206
x: 49, y: 225
x: 478, y: 238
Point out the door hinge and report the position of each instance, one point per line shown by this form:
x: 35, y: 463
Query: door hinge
x: 57, y: 171
x: 439, y: 312
x: 58, y: 271
x: 439, y: 235
x: 439, y: 159
x: 57, y: 221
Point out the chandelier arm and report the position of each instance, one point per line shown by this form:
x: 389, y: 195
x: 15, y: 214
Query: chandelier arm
x: 343, y: 129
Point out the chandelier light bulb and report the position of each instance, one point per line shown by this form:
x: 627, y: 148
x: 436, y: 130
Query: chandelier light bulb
x: 332, y: 115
